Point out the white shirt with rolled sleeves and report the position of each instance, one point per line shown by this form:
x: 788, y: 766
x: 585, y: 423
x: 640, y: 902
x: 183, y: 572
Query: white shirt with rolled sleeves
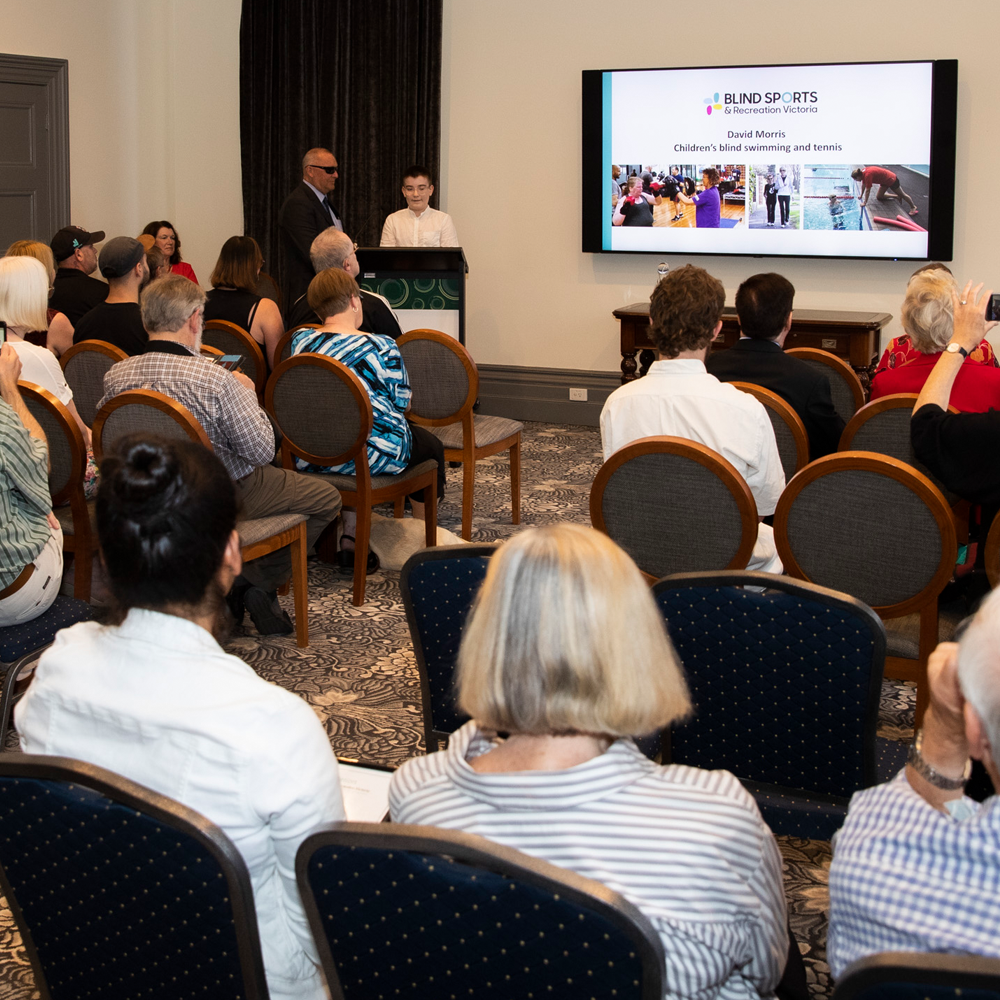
x: 429, y: 229
x: 157, y: 700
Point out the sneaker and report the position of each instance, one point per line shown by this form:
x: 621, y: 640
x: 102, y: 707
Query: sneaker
x: 268, y: 616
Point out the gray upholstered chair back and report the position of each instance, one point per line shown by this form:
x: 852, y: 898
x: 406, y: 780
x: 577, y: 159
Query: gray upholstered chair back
x: 84, y: 373
x: 231, y: 339
x: 438, y: 377
x: 844, y: 401
x: 138, y: 418
x: 788, y: 450
x: 61, y: 447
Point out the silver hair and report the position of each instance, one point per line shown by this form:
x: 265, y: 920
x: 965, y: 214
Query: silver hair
x: 330, y: 249
x: 168, y: 302
x: 979, y: 668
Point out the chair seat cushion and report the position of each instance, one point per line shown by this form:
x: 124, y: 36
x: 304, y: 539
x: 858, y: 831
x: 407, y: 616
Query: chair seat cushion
x: 65, y: 516
x: 18, y: 640
x: 256, y: 529
x: 902, y: 635
x: 378, y: 482
x: 488, y: 430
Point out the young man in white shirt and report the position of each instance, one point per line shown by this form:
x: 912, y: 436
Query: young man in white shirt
x: 418, y: 225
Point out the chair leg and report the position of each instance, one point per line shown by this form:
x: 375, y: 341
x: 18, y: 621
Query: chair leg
x: 362, y: 532
x: 928, y: 641
x: 83, y: 567
x: 398, y: 507
x: 300, y: 584
x: 430, y: 514
x: 468, y: 490
x: 284, y: 588
x: 515, y: 481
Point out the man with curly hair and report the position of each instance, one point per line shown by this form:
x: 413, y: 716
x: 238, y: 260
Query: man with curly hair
x: 679, y: 398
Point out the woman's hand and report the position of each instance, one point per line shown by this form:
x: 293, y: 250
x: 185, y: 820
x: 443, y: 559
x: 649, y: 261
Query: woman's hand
x: 970, y: 316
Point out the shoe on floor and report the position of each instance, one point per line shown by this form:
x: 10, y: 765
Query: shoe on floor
x: 234, y: 599
x: 345, y: 557
x: 268, y: 616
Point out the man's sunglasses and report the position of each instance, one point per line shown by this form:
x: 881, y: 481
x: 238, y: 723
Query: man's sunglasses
x: 329, y: 170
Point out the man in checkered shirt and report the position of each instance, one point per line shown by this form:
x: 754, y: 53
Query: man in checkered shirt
x: 916, y: 866
x: 225, y: 404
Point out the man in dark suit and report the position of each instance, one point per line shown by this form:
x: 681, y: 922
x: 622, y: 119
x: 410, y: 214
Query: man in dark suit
x: 764, y: 307
x: 306, y: 212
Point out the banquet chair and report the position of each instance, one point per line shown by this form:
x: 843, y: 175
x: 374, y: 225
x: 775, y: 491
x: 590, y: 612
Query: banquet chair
x: 785, y: 680
x: 845, y: 387
x: 789, y: 431
x: 907, y: 975
x: 445, y: 384
x: 438, y: 587
x: 674, y: 506
x: 873, y: 527
x: 233, y: 339
x: 144, y: 411
x: 415, y: 912
x: 283, y: 349
x: 68, y: 463
x: 120, y: 892
x: 84, y: 366
x: 325, y: 416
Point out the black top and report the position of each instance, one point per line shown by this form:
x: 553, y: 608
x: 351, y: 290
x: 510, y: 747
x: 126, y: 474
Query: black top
x: 235, y: 305
x: 118, y: 323
x: 376, y: 316
x: 807, y: 391
x: 75, y: 293
x: 639, y: 213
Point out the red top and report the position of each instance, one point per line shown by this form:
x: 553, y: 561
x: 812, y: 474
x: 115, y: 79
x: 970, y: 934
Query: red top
x: 185, y: 269
x: 877, y: 175
x: 904, y: 369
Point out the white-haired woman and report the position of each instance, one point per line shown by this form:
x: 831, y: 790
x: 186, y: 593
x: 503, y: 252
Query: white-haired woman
x: 566, y: 654
x: 928, y: 322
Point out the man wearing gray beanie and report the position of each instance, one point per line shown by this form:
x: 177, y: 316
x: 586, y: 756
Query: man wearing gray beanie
x: 117, y: 320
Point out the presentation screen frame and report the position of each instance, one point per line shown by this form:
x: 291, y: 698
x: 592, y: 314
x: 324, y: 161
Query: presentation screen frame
x: 596, y: 163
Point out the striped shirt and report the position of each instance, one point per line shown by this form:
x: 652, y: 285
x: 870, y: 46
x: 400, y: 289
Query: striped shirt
x: 687, y: 846
x: 379, y: 365
x: 24, y: 496
x: 238, y: 428
x: 906, y: 877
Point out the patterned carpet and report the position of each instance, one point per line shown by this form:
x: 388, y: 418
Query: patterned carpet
x: 359, y: 673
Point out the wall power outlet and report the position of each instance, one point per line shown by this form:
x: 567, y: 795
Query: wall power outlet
x: 580, y: 395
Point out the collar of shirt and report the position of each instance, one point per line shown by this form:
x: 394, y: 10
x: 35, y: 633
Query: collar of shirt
x: 417, y: 216
x: 677, y: 366
x: 181, y: 635
x: 316, y: 191
x: 170, y: 347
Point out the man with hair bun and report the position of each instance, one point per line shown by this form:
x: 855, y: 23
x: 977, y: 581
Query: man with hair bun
x: 680, y: 399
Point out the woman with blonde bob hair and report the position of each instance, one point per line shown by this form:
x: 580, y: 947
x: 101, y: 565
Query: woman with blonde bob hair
x: 567, y: 655
x: 928, y: 322
x: 57, y: 336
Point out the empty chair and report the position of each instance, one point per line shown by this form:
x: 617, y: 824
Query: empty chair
x: 416, y: 912
x: 789, y: 431
x: 84, y: 366
x: 845, y: 386
x: 930, y: 976
x: 120, y: 892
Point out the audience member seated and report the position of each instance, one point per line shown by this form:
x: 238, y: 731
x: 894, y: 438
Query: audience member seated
x: 916, y: 866
x: 31, y: 556
x: 567, y: 655
x: 395, y: 444
x: 764, y: 307
x: 59, y: 336
x: 927, y: 322
x: 168, y: 240
x: 334, y: 249
x: 233, y: 297
x: 118, y: 320
x: 155, y: 698
x: 679, y: 398
x: 74, y: 292
x: 225, y: 404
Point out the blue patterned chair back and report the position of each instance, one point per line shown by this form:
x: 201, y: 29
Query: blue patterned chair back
x: 912, y: 976
x: 416, y: 912
x: 438, y: 587
x: 120, y: 892
x: 785, y: 686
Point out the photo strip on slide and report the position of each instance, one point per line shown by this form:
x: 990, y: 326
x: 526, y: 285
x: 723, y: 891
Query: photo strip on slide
x: 774, y: 196
x: 679, y: 196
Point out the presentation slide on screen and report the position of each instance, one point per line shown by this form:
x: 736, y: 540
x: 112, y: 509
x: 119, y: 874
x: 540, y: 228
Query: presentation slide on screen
x: 817, y: 160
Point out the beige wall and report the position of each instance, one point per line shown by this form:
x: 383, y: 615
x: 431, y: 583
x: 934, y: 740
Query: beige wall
x: 511, y: 105
x: 154, y: 111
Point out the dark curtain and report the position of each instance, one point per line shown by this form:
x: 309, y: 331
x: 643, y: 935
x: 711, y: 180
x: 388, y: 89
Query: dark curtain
x: 361, y: 77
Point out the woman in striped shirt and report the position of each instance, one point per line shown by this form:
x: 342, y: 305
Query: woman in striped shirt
x: 567, y: 654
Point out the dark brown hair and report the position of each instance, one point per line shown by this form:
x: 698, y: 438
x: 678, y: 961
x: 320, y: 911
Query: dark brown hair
x: 712, y: 174
x: 763, y: 303
x: 239, y: 262
x: 684, y: 310
x: 154, y: 227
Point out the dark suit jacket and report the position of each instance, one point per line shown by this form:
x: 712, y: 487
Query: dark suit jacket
x: 301, y: 219
x: 376, y: 317
x: 763, y: 362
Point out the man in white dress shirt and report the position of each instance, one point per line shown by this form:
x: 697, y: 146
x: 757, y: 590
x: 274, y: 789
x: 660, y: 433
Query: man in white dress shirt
x: 680, y: 399
x: 418, y: 225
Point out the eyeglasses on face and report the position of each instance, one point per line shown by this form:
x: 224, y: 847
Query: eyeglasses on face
x: 329, y: 170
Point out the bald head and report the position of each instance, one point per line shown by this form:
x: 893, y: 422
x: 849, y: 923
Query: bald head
x: 319, y: 168
x: 331, y: 249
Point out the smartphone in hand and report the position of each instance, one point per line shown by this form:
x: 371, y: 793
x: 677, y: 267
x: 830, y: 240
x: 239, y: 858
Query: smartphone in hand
x: 993, y: 308
x: 231, y: 362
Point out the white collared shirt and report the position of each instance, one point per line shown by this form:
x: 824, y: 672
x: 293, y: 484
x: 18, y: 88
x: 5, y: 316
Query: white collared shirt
x: 679, y: 398
x: 429, y: 229
x: 156, y: 700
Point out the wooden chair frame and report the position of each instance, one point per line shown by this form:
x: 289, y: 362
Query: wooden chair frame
x: 926, y: 601
x: 470, y: 452
x: 294, y: 537
x: 695, y: 452
x: 99, y: 346
x: 841, y: 367
x: 991, y: 554
x: 250, y: 347
x: 364, y: 497
x: 208, y: 351
x: 286, y: 339
x: 776, y: 404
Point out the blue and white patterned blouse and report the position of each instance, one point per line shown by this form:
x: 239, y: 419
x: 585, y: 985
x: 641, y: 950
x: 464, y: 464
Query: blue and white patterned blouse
x: 379, y: 365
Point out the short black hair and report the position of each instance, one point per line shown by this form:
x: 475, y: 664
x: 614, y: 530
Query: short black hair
x: 416, y: 171
x: 763, y: 303
x: 165, y: 511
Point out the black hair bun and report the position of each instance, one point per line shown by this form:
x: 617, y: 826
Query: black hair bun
x: 147, y: 472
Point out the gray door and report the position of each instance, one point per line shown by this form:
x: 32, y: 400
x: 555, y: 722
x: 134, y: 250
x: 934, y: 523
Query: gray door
x: 34, y: 151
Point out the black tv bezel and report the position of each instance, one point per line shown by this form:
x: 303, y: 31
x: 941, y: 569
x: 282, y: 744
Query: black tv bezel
x: 944, y: 121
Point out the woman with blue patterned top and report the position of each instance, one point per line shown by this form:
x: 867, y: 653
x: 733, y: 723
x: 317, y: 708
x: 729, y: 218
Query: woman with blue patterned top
x: 394, y: 444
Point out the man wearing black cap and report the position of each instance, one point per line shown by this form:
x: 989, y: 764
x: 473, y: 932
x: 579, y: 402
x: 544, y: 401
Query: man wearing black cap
x: 118, y: 320
x: 74, y: 292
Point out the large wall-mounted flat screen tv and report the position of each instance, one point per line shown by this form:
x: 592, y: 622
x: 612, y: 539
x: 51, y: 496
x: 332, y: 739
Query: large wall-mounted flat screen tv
x: 834, y: 160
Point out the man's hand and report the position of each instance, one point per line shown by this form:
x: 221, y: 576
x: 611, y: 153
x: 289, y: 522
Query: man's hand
x: 970, y: 316
x: 10, y: 371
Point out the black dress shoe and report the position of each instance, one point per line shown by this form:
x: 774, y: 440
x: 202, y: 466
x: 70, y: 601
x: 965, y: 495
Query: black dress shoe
x: 234, y: 599
x: 268, y: 616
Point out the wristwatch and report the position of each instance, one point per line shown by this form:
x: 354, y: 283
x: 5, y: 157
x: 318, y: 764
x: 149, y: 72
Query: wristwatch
x: 925, y: 770
x: 954, y: 348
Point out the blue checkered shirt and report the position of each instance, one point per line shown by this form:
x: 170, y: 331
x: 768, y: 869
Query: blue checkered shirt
x: 906, y: 877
